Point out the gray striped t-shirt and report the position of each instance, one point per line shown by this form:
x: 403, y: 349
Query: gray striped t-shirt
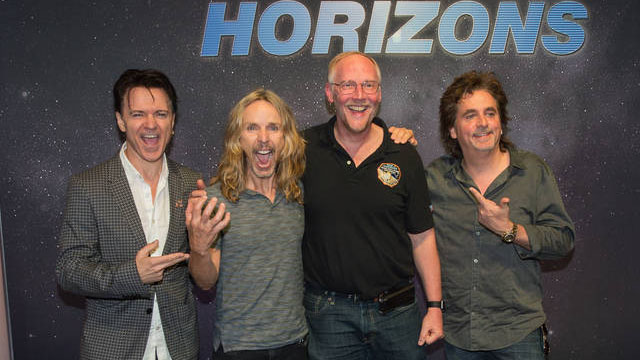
x: 260, y: 287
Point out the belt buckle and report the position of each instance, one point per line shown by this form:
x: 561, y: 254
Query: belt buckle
x: 383, y: 300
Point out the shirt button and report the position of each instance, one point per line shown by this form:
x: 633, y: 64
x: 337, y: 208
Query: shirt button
x: 475, y: 261
x: 348, y: 162
x: 478, y: 233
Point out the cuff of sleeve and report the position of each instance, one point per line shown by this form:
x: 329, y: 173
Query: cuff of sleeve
x: 536, y: 246
x: 128, y: 279
x: 420, y: 229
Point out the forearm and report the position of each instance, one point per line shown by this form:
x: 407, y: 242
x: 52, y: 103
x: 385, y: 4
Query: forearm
x: 551, y: 233
x: 204, y: 268
x: 522, y: 237
x: 548, y: 242
x: 82, y: 276
x: 427, y: 261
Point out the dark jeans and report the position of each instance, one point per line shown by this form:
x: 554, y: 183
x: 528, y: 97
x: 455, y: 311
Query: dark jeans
x: 341, y: 328
x: 529, y: 348
x: 297, y: 351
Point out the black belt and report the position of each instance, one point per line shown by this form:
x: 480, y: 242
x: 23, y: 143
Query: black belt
x: 387, y: 300
x: 393, y: 299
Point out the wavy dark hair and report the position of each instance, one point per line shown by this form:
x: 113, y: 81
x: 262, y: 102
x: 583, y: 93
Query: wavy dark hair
x: 466, y: 84
x: 148, y: 78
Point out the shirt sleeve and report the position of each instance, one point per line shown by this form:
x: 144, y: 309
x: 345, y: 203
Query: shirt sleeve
x: 418, y: 216
x: 552, y: 234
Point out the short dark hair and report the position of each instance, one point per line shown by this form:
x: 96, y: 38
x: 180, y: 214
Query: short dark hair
x: 465, y: 84
x: 147, y: 78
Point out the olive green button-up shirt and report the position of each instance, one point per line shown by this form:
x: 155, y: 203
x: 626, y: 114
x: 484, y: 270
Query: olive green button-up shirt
x: 492, y: 289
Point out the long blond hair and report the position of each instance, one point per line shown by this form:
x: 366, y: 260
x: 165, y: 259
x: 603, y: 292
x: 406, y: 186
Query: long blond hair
x: 289, y: 170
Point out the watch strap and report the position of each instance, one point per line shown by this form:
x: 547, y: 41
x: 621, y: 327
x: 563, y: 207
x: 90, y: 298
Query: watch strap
x: 509, y: 236
x: 435, y: 304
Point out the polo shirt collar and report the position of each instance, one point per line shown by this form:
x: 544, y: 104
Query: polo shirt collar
x: 252, y: 193
x: 328, y: 137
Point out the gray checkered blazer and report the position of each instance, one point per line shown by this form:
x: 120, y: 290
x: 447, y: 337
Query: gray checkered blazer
x: 101, y: 235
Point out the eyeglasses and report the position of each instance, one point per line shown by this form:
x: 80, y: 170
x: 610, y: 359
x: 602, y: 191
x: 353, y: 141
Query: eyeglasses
x: 349, y: 87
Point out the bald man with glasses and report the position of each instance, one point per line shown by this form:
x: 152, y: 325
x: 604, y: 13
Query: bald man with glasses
x: 367, y: 228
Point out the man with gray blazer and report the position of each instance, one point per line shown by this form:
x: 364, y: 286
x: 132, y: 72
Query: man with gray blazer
x: 124, y: 242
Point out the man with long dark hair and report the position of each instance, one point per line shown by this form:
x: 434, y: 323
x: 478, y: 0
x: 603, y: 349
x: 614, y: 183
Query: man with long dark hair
x: 497, y: 211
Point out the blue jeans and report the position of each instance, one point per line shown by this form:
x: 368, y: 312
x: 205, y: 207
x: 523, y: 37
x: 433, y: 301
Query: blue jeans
x: 348, y: 329
x: 529, y: 348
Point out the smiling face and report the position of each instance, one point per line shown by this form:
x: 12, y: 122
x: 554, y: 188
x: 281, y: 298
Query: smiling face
x: 261, y: 139
x: 477, y: 126
x: 147, y: 121
x: 355, y: 111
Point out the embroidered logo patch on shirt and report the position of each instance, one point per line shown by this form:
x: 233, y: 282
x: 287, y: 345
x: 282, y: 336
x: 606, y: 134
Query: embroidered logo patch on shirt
x: 389, y: 174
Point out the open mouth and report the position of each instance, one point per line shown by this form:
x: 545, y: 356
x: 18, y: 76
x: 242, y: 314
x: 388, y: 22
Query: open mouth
x: 358, y: 108
x: 482, y: 134
x: 264, y: 157
x: 150, y: 139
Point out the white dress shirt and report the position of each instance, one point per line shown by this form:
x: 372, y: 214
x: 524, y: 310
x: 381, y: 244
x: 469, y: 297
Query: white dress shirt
x: 154, y: 216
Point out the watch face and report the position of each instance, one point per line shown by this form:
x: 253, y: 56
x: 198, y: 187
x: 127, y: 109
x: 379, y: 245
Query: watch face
x: 508, y: 238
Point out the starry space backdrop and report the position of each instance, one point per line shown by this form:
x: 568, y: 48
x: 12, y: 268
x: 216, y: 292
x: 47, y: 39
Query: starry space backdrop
x: 59, y: 60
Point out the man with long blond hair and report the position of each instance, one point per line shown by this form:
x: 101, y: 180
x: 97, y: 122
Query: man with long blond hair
x: 257, y: 262
x: 232, y: 172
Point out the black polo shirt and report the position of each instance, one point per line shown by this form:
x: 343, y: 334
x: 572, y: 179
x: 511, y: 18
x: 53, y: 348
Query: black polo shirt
x: 357, y: 218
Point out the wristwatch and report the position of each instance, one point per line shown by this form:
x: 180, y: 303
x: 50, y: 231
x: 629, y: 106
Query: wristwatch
x: 436, y: 304
x: 509, y: 236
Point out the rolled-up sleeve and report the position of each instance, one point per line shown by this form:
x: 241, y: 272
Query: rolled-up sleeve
x: 552, y: 234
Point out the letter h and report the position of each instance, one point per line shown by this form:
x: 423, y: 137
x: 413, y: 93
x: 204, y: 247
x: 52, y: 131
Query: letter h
x: 241, y: 29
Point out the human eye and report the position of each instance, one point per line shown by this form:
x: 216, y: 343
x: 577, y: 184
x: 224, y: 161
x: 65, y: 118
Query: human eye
x: 136, y: 114
x: 273, y: 127
x: 162, y: 114
x: 252, y: 127
x: 348, y: 85
x: 370, y: 85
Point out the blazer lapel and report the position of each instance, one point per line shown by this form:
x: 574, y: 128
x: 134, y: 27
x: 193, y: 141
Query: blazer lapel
x: 176, y: 214
x: 124, y: 199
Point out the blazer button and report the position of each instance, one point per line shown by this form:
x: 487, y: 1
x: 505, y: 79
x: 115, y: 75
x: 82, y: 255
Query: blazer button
x: 149, y: 311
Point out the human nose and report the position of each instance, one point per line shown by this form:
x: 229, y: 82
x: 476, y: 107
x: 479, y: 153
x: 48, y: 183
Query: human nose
x: 482, y: 120
x: 262, y: 135
x: 359, y: 91
x: 150, y: 121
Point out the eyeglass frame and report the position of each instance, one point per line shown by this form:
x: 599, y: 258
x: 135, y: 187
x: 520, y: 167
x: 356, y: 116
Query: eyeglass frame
x: 362, y: 84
